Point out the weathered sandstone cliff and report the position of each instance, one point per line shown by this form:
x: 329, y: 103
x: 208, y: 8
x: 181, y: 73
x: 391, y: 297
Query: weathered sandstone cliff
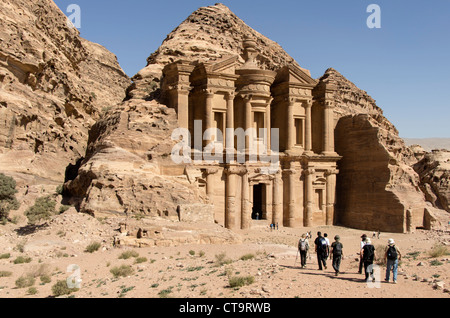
x: 53, y: 87
x: 128, y: 169
x: 434, y: 173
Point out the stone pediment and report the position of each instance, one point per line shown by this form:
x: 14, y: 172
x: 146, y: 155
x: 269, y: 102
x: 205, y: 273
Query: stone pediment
x: 295, y: 75
x: 226, y: 66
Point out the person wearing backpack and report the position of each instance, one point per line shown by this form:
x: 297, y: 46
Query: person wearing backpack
x: 368, y: 257
x: 321, y: 250
x: 303, y: 247
x: 392, y: 256
x: 336, y: 251
x: 361, y: 246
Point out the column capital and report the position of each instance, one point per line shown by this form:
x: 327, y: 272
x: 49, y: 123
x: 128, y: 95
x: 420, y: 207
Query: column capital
x: 309, y: 171
x: 246, y: 97
x: 291, y: 100
x: 330, y: 172
x: 289, y: 171
x: 328, y: 103
x: 308, y: 103
x: 230, y: 96
x: 209, y: 92
x: 236, y: 170
x: 210, y: 171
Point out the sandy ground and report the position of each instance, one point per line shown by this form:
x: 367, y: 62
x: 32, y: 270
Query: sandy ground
x: 193, y: 271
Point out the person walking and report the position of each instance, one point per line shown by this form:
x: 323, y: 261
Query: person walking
x: 392, y: 257
x: 368, y: 257
x: 321, y: 249
x: 337, y: 253
x: 303, y: 247
x: 361, y: 246
x: 325, y: 236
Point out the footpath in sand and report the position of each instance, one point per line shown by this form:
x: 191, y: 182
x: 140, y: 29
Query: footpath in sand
x: 268, y: 258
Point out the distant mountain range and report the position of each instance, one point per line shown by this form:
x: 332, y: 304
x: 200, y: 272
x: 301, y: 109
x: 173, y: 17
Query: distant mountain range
x: 429, y: 143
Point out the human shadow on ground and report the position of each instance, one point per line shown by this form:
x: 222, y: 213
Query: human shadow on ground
x: 316, y: 272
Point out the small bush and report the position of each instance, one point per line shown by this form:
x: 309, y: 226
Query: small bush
x: 122, y: 271
x: 221, y: 259
x: 435, y: 262
x: 93, y: 247
x: 63, y: 208
x: 8, y: 199
x: 240, y: 281
x: 5, y: 274
x: 22, y: 260
x: 43, y: 209
x: 140, y: 260
x: 128, y: 254
x: 25, y: 281
x: 4, y: 256
x: 165, y: 293
x: 191, y: 252
x: 247, y: 257
x: 438, y: 251
x: 413, y: 255
x: 45, y: 279
x: 32, y: 291
x: 61, y: 289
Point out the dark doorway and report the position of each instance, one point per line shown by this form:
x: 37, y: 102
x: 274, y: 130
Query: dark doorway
x: 258, y: 195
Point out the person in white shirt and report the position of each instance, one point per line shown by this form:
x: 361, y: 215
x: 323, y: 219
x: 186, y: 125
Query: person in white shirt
x: 362, y: 243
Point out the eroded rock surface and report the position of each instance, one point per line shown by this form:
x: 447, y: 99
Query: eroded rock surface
x: 434, y: 172
x: 53, y: 87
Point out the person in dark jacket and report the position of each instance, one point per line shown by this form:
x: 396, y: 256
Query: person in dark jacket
x: 337, y: 253
x: 361, y: 245
x: 368, y: 257
x: 322, y: 250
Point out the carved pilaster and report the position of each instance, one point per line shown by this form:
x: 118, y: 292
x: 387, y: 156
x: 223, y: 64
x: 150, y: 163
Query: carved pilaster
x: 308, y: 219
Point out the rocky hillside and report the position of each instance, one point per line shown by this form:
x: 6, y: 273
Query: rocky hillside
x: 376, y: 176
x: 373, y: 152
x: 54, y: 85
x: 434, y: 173
x: 208, y: 34
x: 128, y: 169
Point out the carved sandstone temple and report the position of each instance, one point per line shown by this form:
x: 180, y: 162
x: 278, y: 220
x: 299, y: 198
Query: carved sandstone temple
x: 229, y: 95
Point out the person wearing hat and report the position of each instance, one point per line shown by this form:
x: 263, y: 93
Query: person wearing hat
x: 392, y: 256
x: 303, y: 247
x: 368, y: 257
x: 362, y: 243
x: 336, y: 251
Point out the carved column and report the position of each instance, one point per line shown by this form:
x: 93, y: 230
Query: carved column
x: 309, y: 201
x: 290, y: 126
x: 278, y: 199
x: 268, y: 125
x: 248, y: 123
x: 290, y: 173
x: 230, y: 200
x: 209, y: 114
x: 210, y: 184
x: 229, y: 137
x: 246, y: 215
x: 308, y: 127
x: 328, y: 145
x: 331, y: 195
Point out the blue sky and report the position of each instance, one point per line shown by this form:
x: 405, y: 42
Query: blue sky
x: 404, y: 65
